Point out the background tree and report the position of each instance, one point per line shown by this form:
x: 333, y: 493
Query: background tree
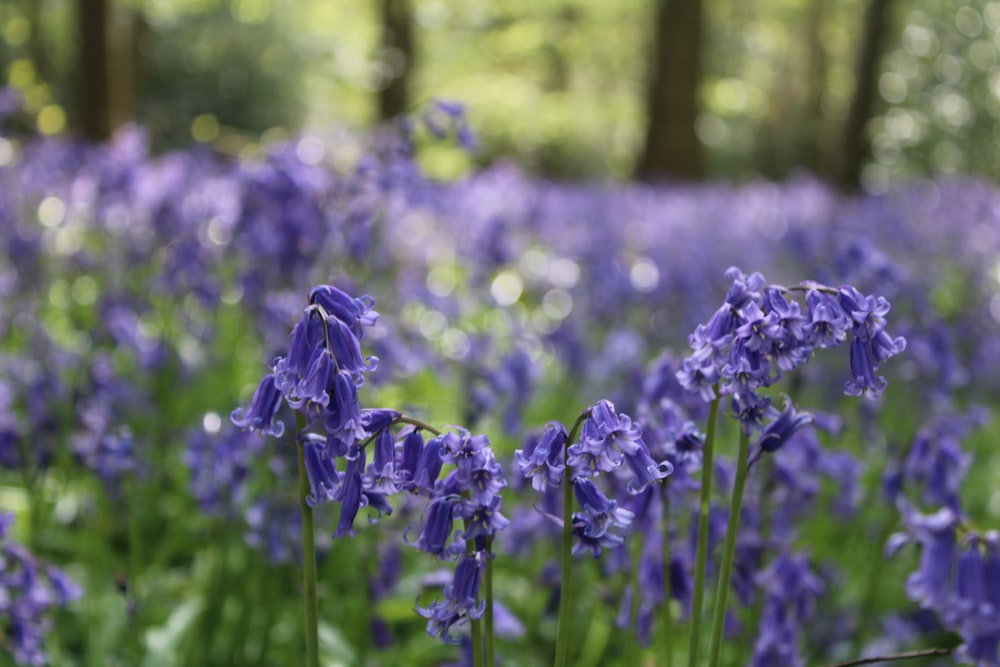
x: 671, y: 148
x: 855, y: 144
x: 396, y: 58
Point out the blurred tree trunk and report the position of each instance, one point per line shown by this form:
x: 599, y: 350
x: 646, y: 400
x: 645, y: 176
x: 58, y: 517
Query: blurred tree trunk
x: 818, y: 148
x: 672, y: 149
x: 94, y: 103
x: 397, y: 57
x: 855, y: 144
x: 106, y: 75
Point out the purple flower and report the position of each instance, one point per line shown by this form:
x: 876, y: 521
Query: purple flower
x: 542, y: 458
x: 929, y: 585
x: 482, y: 519
x: 356, y: 313
x: 605, y: 438
x: 599, y: 514
x: 350, y: 493
x: 261, y: 416
x: 646, y: 471
x: 827, y: 325
x: 437, y: 528
x: 459, y: 603
x: 786, y: 424
x: 324, y: 479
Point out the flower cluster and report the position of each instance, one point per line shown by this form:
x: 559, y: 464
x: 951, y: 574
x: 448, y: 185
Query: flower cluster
x: 29, y: 590
x: 791, y: 589
x: 758, y: 333
x: 959, y: 579
x: 471, y: 492
x: 607, y: 441
x: 319, y: 378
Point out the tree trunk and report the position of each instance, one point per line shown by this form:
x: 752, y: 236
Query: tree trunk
x: 107, y: 69
x: 672, y: 149
x: 94, y: 103
x: 855, y: 144
x: 397, y: 57
x: 817, y: 149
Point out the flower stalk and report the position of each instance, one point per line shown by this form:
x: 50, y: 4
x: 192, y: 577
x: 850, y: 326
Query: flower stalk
x: 566, y: 552
x: 701, y: 555
x: 729, y: 550
x: 308, y: 554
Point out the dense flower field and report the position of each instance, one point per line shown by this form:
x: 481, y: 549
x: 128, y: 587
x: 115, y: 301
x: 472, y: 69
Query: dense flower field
x: 314, y: 407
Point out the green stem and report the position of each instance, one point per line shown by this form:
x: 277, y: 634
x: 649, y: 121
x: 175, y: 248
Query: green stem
x: 476, y: 624
x: 875, y: 576
x: 566, y: 567
x: 634, y: 650
x: 308, y: 554
x: 566, y: 553
x: 722, y: 592
x: 668, y: 621
x: 707, y: 471
x: 488, y: 614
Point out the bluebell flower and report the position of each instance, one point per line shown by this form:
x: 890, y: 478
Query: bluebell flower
x: 324, y: 478
x: 355, y: 312
x: 585, y: 538
x: 600, y: 513
x: 791, y: 589
x: 757, y: 331
x: 974, y: 608
x: 746, y: 371
x: 485, y: 482
x: 428, y: 467
x: 307, y: 337
x: 411, y: 448
x: 381, y: 476
x: 828, y: 324
x: 867, y: 313
x: 482, y: 519
x: 349, y: 494
x: 646, y: 471
x: 437, y: 532
x: 698, y: 373
x: 312, y: 391
x: 346, y: 349
x: 864, y: 380
x: 262, y: 415
x: 29, y: 592
x: 751, y: 409
x: 786, y: 424
x: 459, y: 602
x: 605, y: 438
x: 542, y: 458
x: 930, y: 584
x: 342, y: 417
x: 465, y: 451
x: 374, y: 420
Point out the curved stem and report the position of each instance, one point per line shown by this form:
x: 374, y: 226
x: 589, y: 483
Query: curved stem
x: 566, y: 553
x: 403, y: 419
x: 308, y: 554
x: 908, y: 655
x: 707, y: 471
x: 722, y: 592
